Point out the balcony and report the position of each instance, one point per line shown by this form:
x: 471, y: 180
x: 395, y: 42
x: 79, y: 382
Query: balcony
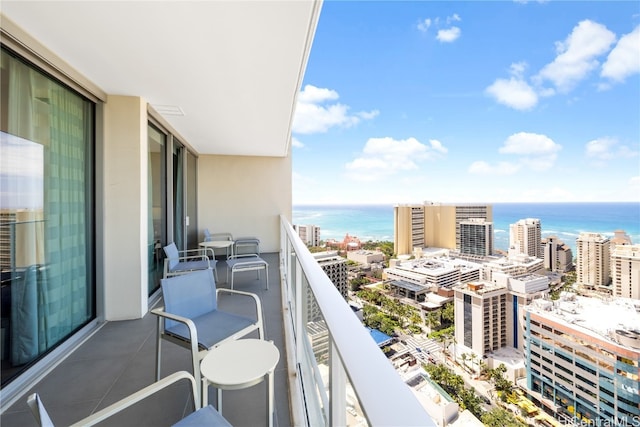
x: 332, y: 384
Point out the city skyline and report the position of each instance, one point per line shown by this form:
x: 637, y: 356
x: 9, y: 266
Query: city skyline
x: 482, y: 102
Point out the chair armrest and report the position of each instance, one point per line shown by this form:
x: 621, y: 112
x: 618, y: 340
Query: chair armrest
x: 188, y: 254
x: 193, y: 333
x: 141, y: 395
x: 239, y: 256
x: 248, y: 294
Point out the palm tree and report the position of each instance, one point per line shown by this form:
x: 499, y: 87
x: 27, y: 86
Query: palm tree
x: 482, y: 366
x: 473, y: 357
x: 464, y: 360
x: 433, y: 320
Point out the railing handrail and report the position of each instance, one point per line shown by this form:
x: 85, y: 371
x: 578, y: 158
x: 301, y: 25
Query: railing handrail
x: 385, y: 399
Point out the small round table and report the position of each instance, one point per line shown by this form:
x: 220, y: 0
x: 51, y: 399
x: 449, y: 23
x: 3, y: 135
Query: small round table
x: 217, y: 244
x: 240, y: 364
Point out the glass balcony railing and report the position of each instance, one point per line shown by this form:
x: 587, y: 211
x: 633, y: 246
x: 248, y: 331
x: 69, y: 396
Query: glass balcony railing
x: 341, y: 376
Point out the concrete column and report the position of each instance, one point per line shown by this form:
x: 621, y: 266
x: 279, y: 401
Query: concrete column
x: 125, y: 208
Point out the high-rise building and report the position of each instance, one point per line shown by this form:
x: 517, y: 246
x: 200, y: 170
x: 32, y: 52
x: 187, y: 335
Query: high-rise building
x: 408, y: 225
x: 481, y: 316
x: 487, y: 312
x: 556, y: 254
x: 309, y: 234
x: 476, y: 237
x: 525, y: 237
x: 335, y: 268
x: 582, y: 358
x: 625, y: 271
x: 593, y: 260
x: 433, y: 225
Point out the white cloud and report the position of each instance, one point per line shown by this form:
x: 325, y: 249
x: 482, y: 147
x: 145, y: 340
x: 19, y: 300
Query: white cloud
x: 525, y: 143
x: 624, y: 59
x: 634, y: 182
x: 453, y: 18
x: 513, y: 93
x: 481, y: 167
x: 600, y: 151
x: 312, y: 95
x: 577, y: 55
x: 382, y: 157
x: 449, y: 35
x: 537, y: 152
x: 296, y: 143
x: 437, y: 146
x: 315, y: 115
x: 368, y: 115
x: 424, y: 25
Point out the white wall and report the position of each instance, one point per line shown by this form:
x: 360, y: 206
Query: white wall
x: 244, y: 196
x: 125, y: 208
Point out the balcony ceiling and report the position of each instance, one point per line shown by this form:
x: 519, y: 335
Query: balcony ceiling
x: 233, y: 67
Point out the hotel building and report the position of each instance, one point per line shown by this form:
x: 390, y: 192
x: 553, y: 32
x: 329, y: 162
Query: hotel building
x: 309, y: 234
x: 593, y: 259
x: 525, y: 237
x: 583, y: 358
x: 123, y: 128
x: 476, y: 237
x: 488, y: 317
x: 433, y: 225
x: 408, y: 226
x: 625, y: 271
x: 557, y: 255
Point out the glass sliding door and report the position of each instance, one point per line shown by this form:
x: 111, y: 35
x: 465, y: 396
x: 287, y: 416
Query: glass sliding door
x: 156, y: 235
x: 192, y: 202
x: 179, y: 211
x: 46, y: 213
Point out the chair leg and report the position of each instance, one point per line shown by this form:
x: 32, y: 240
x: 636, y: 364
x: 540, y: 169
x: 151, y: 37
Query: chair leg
x: 158, y: 349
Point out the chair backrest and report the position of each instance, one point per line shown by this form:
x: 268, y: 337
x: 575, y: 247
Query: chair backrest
x: 38, y: 410
x: 207, y: 235
x: 189, y: 295
x: 172, y: 253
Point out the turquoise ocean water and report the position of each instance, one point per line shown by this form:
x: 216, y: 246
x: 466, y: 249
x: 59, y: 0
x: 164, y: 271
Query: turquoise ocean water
x: 565, y: 220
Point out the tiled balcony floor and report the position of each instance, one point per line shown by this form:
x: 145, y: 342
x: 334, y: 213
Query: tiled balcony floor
x: 120, y: 359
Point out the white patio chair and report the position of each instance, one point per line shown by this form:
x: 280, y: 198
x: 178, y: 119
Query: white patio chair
x: 181, y: 262
x: 191, y: 318
x: 207, y: 415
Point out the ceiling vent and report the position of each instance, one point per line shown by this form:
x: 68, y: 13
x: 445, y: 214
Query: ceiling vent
x: 168, y: 110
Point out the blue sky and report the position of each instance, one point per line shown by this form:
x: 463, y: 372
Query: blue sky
x: 479, y: 101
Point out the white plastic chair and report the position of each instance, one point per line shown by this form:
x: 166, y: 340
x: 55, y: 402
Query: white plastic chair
x: 201, y: 416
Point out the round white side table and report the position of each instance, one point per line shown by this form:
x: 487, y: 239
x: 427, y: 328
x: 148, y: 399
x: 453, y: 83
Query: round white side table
x: 240, y: 364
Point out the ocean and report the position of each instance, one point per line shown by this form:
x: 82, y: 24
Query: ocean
x: 565, y: 220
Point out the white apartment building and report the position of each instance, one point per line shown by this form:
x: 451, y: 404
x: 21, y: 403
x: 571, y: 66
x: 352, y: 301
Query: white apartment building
x: 525, y: 237
x: 557, y: 255
x: 309, y: 234
x: 476, y: 237
x: 593, y: 260
x: 625, y: 271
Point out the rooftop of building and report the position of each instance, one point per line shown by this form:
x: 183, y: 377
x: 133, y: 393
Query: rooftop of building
x: 437, y: 266
x: 511, y: 357
x: 480, y: 287
x: 602, y: 318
